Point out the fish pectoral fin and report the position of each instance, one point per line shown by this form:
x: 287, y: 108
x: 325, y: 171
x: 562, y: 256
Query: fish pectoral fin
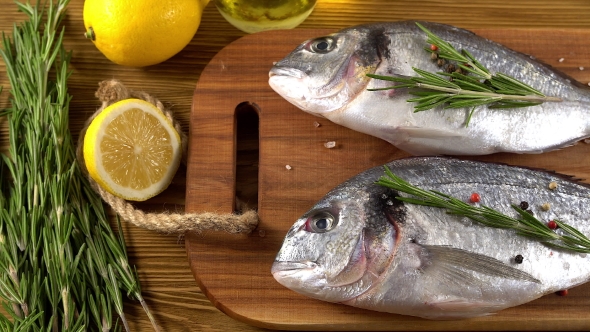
x: 421, y: 132
x: 458, y: 265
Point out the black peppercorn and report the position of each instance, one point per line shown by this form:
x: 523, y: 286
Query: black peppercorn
x: 518, y: 259
x: 524, y: 205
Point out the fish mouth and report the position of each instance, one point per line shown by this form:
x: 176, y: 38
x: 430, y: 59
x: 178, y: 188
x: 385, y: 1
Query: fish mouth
x: 283, y: 269
x: 290, y: 84
x: 289, y: 72
x: 303, y: 277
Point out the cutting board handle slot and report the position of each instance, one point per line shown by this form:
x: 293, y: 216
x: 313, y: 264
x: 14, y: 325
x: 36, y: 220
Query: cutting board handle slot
x: 247, y: 154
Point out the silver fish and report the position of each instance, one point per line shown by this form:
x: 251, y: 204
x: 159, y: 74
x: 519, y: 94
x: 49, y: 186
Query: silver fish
x: 326, y: 77
x: 362, y: 247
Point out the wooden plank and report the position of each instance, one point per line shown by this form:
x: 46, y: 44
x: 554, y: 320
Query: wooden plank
x: 234, y: 270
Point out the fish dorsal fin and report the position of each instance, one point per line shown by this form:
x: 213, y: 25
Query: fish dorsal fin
x: 459, y: 265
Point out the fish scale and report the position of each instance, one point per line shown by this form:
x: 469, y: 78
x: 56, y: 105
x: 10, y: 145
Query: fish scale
x: 421, y: 261
x: 333, y: 84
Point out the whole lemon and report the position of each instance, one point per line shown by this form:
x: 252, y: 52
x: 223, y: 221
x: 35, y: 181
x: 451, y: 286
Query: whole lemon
x: 141, y: 33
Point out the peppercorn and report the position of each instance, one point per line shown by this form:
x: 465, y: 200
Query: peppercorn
x: 562, y: 292
x: 434, y: 47
x: 552, y: 224
x: 433, y: 56
x: 474, y: 198
x: 518, y: 259
x: 524, y: 205
x: 441, y: 62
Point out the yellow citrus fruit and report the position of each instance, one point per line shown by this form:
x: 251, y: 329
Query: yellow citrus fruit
x: 141, y: 33
x: 132, y: 150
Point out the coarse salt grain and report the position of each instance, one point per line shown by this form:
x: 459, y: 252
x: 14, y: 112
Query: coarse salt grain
x: 581, y: 68
x: 288, y: 167
x: 546, y: 207
x: 330, y: 144
x: 561, y: 59
x: 317, y: 124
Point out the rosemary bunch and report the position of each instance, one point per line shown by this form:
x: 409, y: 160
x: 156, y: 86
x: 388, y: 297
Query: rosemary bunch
x: 470, y: 85
x: 62, y: 268
x: 527, y: 225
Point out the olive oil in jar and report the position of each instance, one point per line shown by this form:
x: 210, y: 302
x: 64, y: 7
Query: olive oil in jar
x: 257, y: 15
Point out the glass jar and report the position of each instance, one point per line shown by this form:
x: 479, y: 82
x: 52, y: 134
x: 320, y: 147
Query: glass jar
x: 258, y: 15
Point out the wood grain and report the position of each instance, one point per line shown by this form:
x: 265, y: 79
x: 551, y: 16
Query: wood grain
x: 161, y: 260
x: 234, y: 271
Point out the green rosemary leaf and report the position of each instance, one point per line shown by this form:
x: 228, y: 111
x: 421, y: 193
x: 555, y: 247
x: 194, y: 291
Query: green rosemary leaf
x: 475, y: 62
x: 415, y: 201
x: 517, y: 84
x: 430, y: 78
x: 459, y: 76
x: 565, y: 247
x: 514, y: 104
x: 573, y: 241
x: 53, y: 261
x: 474, y: 86
x: 527, y: 225
x: 571, y: 230
x: 424, y: 106
x: 429, y: 97
x: 424, y: 93
x: 471, y: 102
x: 469, y: 116
x: 399, y: 86
x: 506, y: 87
x: 390, y: 78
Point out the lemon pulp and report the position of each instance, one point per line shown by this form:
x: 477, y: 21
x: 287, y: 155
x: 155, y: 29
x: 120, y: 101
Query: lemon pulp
x: 131, y: 141
x: 132, y: 150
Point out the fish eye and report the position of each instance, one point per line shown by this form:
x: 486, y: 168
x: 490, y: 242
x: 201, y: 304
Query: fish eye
x: 322, y: 45
x: 320, y: 222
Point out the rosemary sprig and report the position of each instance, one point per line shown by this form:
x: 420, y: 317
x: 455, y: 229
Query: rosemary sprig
x: 62, y: 268
x: 527, y: 225
x: 470, y: 86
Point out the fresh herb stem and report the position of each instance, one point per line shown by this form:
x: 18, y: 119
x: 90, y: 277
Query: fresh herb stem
x: 464, y: 59
x: 61, y: 264
x: 471, y: 86
x: 459, y: 91
x: 527, y: 225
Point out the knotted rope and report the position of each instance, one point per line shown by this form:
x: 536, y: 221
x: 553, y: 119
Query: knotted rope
x: 112, y: 91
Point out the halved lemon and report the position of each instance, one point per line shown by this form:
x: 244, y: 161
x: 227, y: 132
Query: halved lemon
x: 132, y: 150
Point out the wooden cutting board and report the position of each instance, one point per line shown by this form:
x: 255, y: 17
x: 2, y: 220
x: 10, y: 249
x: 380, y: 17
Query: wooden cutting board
x: 234, y: 270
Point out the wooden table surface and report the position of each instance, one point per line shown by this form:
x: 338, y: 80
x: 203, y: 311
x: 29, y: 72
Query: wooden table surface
x: 167, y: 282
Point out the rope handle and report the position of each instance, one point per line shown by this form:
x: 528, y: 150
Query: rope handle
x: 112, y: 91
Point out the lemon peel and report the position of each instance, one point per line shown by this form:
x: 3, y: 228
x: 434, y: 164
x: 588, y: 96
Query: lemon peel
x: 132, y: 150
x: 141, y: 33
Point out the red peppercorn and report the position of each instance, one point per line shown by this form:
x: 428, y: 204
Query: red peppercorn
x: 434, y: 47
x: 552, y: 224
x: 474, y: 198
x: 562, y: 292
